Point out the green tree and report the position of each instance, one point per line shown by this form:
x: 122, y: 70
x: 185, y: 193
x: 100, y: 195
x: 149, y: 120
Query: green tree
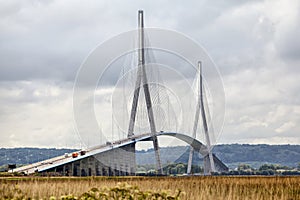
x: 181, y: 169
x: 243, y: 167
x: 267, y: 167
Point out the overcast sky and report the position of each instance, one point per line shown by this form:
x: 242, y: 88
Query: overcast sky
x: 255, y: 45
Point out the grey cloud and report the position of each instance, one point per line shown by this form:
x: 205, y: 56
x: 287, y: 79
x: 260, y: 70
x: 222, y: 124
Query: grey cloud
x: 254, y: 43
x: 49, y: 40
x: 289, y: 45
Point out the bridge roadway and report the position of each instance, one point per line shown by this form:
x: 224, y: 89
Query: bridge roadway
x: 67, y: 158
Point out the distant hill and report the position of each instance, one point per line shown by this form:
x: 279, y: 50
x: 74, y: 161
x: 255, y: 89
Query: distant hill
x: 21, y: 156
x: 230, y: 154
x: 255, y: 155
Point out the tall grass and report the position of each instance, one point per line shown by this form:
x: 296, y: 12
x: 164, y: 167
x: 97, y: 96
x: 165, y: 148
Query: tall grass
x: 192, y: 187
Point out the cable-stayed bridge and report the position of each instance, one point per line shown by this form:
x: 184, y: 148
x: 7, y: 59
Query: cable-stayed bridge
x: 118, y: 157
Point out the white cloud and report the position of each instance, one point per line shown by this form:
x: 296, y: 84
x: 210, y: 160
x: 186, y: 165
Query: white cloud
x: 28, y: 119
x: 271, y: 140
x: 285, y: 127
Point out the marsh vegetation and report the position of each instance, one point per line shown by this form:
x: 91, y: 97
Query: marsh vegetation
x: 151, y: 187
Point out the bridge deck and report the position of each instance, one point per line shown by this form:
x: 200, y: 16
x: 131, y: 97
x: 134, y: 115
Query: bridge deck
x: 64, y: 159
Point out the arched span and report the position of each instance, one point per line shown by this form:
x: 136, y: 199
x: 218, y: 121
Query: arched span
x: 196, y: 144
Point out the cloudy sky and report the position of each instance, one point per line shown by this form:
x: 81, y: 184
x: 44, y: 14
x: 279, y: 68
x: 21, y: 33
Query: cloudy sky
x: 255, y: 45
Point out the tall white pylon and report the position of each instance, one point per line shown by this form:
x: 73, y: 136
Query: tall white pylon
x: 200, y: 107
x: 142, y: 77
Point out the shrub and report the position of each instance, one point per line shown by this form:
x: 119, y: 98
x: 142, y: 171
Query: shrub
x: 126, y: 191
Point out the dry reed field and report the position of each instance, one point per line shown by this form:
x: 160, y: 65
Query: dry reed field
x: 197, y: 187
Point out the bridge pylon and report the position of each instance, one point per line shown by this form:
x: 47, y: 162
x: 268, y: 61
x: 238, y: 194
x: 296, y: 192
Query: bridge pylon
x: 142, y: 77
x: 208, y: 160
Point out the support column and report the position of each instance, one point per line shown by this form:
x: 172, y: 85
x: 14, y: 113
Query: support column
x: 64, y: 170
x: 208, y: 160
x: 71, y: 173
x: 208, y: 142
x: 141, y: 76
x: 147, y: 93
x: 190, y: 161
